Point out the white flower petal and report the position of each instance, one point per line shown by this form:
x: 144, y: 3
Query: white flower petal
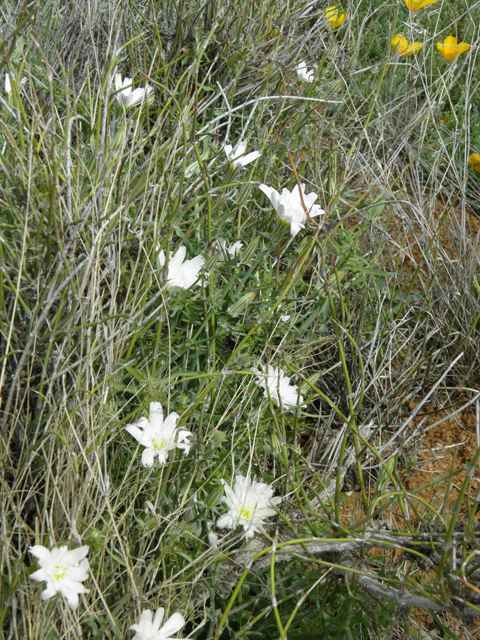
x: 162, y: 456
x: 268, y: 191
x: 250, y: 157
x: 137, y: 433
x: 118, y: 82
x: 172, y: 625
x: 213, y: 539
x: 145, y: 620
x: 158, y: 618
x: 40, y: 552
x: 178, y: 258
x: 234, y: 248
x: 225, y: 521
x: 135, y: 97
x: 79, y: 553
x: 39, y: 575
x: 148, y: 457
x: 156, y: 416
x: 48, y: 593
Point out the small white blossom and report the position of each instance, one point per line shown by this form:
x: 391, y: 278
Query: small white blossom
x: 148, y: 627
x: 237, y: 157
x: 222, y: 249
x: 303, y: 74
x: 290, y: 207
x: 63, y: 571
x: 248, y: 503
x: 180, y: 274
x: 126, y: 96
x: 8, y: 84
x: 159, y: 436
x: 279, y: 387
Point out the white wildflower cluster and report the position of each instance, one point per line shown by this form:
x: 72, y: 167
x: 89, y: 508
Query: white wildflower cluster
x: 64, y: 571
x: 249, y: 503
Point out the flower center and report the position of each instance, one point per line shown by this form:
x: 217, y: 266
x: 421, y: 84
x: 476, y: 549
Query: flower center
x: 246, y: 512
x: 60, y: 572
x: 159, y: 445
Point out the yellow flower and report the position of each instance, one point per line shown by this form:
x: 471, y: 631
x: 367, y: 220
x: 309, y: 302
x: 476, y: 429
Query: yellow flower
x: 450, y: 50
x: 333, y: 18
x: 474, y: 161
x: 415, y: 5
x: 400, y: 43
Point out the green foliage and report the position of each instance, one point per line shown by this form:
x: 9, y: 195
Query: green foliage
x: 92, y: 193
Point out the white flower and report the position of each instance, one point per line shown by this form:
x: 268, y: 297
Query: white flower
x: 237, y: 157
x: 126, y: 96
x: 63, y: 571
x: 8, y: 84
x: 148, y: 627
x: 220, y: 247
x: 180, y: 274
x: 303, y: 74
x: 289, y: 206
x: 159, y: 436
x: 279, y: 387
x: 249, y: 503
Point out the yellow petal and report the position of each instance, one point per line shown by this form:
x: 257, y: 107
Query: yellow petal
x: 450, y: 41
x: 474, y: 159
x: 331, y: 14
x: 462, y: 47
x: 400, y: 43
x: 411, y: 49
x: 415, y: 5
